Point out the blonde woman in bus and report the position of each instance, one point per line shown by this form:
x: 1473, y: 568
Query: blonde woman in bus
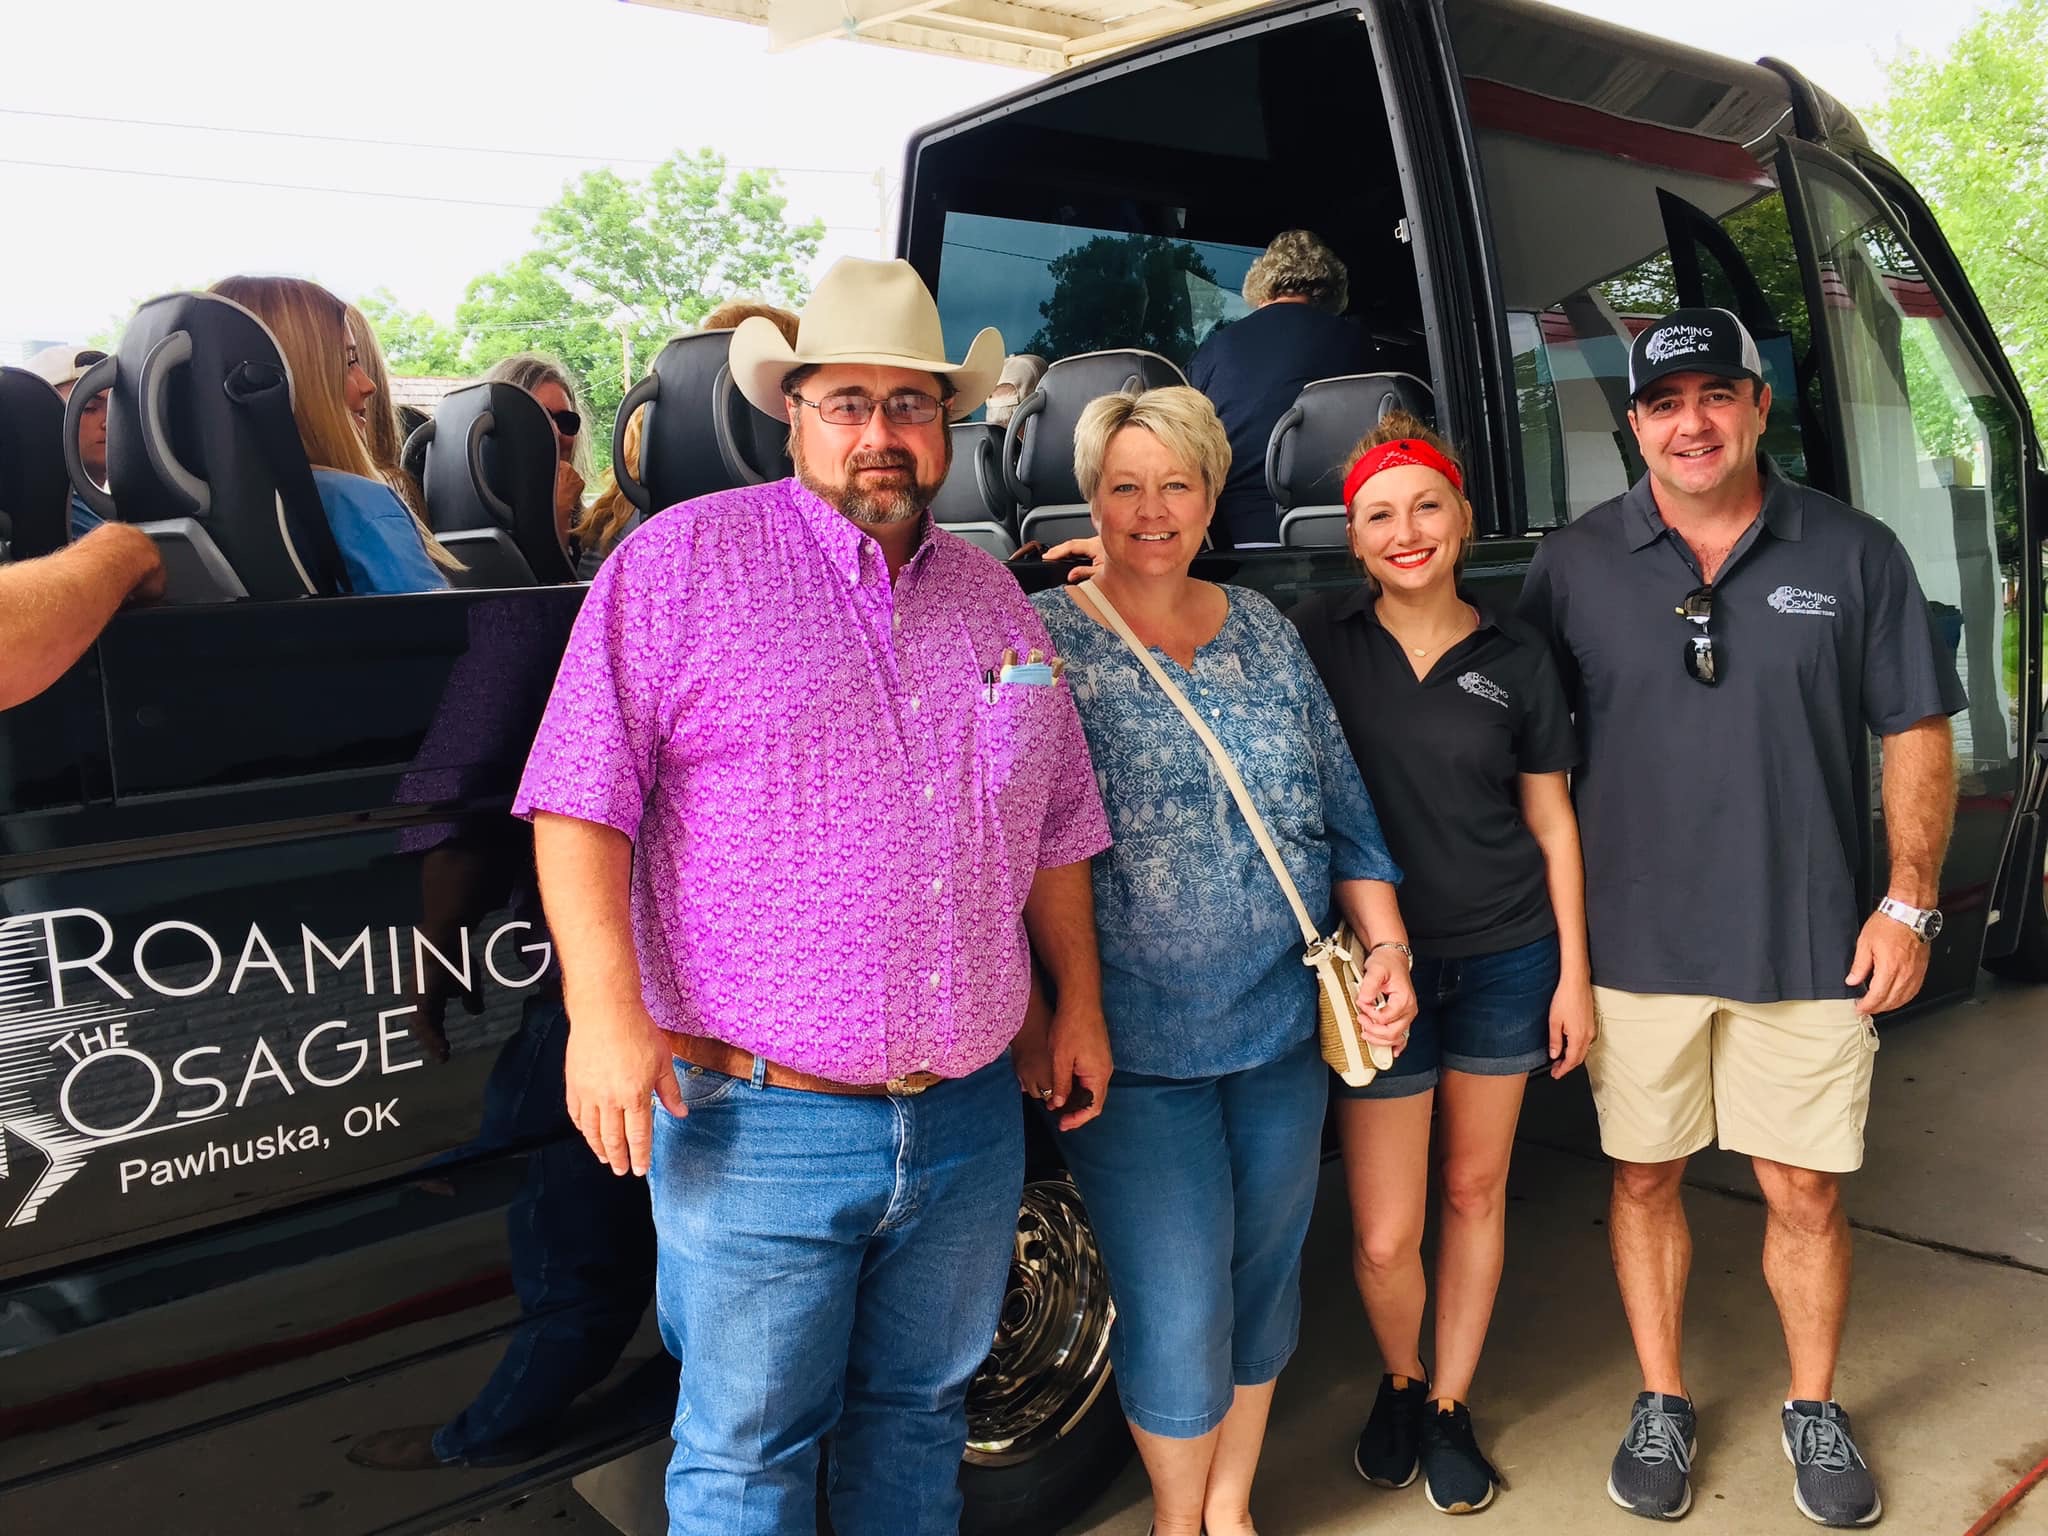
x: 383, y: 544
x: 383, y: 434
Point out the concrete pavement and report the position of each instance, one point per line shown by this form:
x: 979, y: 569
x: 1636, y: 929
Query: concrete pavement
x: 1945, y: 1367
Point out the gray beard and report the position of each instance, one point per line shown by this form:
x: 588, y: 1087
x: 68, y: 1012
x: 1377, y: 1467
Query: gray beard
x: 873, y: 509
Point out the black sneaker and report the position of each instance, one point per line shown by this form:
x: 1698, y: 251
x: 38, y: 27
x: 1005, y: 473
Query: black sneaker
x: 1391, y: 1442
x: 1455, y: 1476
x: 1652, y: 1472
x: 1832, y: 1485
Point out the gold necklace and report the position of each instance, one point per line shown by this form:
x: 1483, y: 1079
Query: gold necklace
x: 1424, y: 650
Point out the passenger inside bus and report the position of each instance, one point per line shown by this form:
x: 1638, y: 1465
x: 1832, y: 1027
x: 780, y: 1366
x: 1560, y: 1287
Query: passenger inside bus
x: 383, y: 432
x: 62, y: 366
x: 383, y: 544
x: 1252, y: 369
x: 549, y: 382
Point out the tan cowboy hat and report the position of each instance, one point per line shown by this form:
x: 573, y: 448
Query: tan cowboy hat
x: 876, y: 312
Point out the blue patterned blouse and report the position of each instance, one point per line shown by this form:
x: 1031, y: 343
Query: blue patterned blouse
x: 1201, y: 956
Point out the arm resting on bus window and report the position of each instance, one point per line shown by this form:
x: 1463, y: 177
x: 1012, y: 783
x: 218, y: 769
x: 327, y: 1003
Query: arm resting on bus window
x: 618, y: 1057
x: 1919, y: 810
x: 53, y: 608
x: 1072, y: 1045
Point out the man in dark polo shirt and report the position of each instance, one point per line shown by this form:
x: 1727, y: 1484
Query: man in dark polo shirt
x: 1727, y: 639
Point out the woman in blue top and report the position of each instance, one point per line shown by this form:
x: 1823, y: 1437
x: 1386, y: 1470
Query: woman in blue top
x: 383, y: 545
x: 1200, y: 1182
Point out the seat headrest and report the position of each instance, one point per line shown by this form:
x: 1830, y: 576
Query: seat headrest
x: 963, y: 498
x: 35, y: 500
x: 199, y: 425
x: 1041, y: 433
x: 490, y: 464
x: 1305, y: 455
x: 699, y: 434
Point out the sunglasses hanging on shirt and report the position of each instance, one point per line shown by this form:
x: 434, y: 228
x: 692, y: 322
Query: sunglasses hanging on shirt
x: 1702, y: 660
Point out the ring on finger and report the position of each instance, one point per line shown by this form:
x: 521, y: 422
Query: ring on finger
x: 1045, y: 1094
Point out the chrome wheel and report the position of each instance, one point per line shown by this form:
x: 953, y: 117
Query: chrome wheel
x: 1050, y: 1360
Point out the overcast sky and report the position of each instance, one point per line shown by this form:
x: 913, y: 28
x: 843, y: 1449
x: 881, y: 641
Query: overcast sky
x: 524, y: 94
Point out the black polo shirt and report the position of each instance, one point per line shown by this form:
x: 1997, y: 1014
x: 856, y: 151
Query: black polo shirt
x: 1440, y: 757
x: 1723, y: 826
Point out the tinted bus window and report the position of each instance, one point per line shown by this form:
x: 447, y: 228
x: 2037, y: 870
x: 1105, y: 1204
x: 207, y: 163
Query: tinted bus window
x: 1604, y: 218
x: 1063, y: 289
x: 1933, y: 449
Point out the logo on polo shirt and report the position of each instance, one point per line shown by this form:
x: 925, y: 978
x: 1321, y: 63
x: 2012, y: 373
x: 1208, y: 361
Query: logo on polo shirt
x: 1800, y: 600
x: 1484, y: 688
x: 1677, y: 341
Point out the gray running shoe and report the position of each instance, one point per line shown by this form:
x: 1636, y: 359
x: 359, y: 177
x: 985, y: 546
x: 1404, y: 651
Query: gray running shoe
x: 1832, y: 1483
x: 1652, y: 1472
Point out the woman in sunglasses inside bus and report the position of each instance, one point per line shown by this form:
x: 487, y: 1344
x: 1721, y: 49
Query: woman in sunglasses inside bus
x: 552, y: 385
x: 1459, y: 724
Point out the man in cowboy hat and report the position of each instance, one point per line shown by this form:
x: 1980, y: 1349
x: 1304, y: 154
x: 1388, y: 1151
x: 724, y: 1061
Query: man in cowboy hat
x: 806, y: 782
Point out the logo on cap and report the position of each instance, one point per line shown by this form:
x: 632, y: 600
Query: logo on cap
x: 1677, y: 341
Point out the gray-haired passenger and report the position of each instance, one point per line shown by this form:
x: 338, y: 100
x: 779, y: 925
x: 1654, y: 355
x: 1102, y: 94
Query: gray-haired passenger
x: 1252, y: 370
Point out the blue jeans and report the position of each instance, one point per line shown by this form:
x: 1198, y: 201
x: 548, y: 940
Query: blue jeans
x: 1199, y: 1191
x: 582, y: 1249
x: 830, y: 1264
x: 1488, y: 1015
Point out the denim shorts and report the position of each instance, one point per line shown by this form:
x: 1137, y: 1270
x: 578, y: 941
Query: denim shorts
x: 1488, y: 1015
x: 1199, y: 1191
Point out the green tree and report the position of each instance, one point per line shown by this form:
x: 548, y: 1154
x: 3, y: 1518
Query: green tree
x: 1971, y: 131
x: 1123, y: 291
x: 618, y: 267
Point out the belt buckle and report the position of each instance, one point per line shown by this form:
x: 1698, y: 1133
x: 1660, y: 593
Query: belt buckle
x: 905, y: 1087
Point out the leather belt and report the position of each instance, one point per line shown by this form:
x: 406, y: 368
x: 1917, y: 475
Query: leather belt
x: 731, y: 1061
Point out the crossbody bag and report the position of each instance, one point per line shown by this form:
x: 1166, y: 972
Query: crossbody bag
x: 1338, y: 959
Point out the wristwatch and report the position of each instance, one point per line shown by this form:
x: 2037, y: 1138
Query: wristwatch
x: 1924, y: 921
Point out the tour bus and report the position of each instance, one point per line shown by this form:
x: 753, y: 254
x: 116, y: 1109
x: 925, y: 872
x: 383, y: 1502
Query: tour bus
x: 282, y: 1159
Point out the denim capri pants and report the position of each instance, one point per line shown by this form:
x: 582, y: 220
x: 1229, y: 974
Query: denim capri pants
x: 1199, y: 1191
x: 1488, y: 1015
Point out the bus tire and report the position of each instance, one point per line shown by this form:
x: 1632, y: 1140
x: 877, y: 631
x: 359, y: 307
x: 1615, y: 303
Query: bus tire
x: 1046, y: 1435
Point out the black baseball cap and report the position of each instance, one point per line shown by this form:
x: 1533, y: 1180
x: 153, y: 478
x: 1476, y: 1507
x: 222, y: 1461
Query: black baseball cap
x: 1693, y: 341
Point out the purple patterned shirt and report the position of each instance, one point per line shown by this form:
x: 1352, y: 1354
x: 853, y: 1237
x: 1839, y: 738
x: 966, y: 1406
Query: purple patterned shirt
x: 835, y: 825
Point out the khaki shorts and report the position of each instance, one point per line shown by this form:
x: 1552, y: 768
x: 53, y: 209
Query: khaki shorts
x: 1786, y: 1081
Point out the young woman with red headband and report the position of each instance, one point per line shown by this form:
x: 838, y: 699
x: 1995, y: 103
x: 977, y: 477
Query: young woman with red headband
x: 1460, y: 728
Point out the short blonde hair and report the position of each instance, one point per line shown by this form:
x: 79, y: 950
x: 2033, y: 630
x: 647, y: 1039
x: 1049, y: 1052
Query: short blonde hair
x: 1298, y: 265
x: 1181, y: 418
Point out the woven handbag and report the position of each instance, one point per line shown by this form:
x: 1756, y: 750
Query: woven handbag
x: 1338, y: 959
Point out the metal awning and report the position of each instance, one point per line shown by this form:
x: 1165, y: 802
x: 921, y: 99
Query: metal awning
x: 1045, y: 35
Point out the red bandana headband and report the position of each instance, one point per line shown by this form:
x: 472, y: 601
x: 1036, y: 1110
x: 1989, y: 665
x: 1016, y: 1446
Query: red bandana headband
x: 1407, y: 450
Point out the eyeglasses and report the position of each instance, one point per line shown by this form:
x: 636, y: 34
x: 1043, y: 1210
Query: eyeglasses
x: 907, y: 408
x: 568, y: 423
x: 1701, y: 659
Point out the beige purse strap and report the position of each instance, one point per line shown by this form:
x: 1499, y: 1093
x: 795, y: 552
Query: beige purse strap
x: 1193, y: 716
